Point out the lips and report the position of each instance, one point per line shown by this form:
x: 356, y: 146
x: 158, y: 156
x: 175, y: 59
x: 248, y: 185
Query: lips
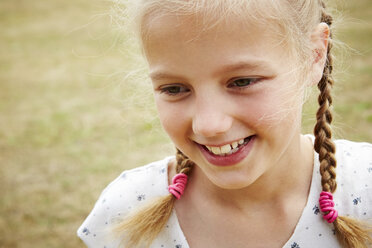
x: 229, y: 154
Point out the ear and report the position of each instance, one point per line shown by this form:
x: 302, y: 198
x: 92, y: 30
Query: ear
x: 319, y: 43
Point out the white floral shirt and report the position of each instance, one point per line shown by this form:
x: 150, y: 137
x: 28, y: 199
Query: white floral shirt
x: 134, y: 187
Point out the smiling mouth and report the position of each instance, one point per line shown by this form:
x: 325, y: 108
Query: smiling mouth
x: 228, y: 149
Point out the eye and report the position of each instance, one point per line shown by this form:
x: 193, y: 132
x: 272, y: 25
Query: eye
x: 173, y: 90
x: 243, y: 82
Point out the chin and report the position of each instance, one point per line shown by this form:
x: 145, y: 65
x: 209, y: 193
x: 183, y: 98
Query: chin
x: 232, y: 183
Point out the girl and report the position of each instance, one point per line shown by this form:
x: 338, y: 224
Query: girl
x: 229, y: 80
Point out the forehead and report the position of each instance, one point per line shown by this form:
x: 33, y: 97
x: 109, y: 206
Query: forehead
x: 195, y: 27
x: 186, y: 39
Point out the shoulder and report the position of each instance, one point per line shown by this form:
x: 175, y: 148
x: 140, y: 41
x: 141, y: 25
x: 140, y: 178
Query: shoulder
x: 356, y: 150
x: 128, y: 191
x: 354, y: 178
x: 354, y: 159
x: 150, y: 178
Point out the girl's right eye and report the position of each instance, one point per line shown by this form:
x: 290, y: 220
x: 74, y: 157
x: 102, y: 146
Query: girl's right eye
x: 173, y: 90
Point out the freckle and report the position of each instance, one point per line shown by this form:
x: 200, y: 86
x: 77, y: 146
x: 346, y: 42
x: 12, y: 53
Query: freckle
x: 320, y: 234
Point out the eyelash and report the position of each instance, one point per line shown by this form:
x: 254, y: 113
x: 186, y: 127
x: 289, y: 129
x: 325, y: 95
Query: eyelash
x: 252, y: 81
x: 167, y: 89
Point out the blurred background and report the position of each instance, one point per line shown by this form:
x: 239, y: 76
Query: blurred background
x: 69, y: 125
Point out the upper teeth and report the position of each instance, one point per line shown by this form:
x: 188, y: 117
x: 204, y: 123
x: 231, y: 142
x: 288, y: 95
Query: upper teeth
x: 226, y: 149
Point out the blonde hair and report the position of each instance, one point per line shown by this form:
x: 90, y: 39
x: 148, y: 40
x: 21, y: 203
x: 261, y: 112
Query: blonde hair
x: 292, y: 21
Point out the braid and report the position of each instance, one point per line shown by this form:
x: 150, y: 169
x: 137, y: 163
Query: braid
x: 323, y: 134
x: 351, y: 233
x: 184, y: 164
x: 144, y: 225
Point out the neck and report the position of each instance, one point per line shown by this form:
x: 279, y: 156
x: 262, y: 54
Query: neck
x: 279, y: 185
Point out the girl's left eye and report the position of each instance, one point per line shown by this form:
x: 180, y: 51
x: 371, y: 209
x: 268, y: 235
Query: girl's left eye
x: 243, y: 82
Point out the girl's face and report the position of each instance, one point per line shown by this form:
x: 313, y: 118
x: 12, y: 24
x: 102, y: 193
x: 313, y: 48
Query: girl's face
x: 227, y: 96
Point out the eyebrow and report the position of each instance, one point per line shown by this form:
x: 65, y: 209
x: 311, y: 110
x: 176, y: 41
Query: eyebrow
x: 158, y: 76
x: 244, y: 65
x: 238, y: 66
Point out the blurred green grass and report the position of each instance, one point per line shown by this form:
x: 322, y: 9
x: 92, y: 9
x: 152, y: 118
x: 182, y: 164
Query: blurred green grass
x: 68, y: 125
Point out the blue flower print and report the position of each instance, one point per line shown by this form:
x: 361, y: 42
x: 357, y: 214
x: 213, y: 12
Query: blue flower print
x: 357, y: 200
x: 86, y: 231
x: 316, y: 210
x: 295, y: 245
x: 141, y: 197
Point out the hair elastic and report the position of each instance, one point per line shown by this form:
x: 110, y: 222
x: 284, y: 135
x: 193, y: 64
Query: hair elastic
x: 326, y: 205
x: 178, y: 185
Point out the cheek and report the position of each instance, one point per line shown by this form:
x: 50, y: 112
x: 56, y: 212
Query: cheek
x: 271, y: 107
x: 173, y: 119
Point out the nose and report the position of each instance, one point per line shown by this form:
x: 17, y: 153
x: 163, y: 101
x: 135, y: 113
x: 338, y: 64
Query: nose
x: 211, y: 117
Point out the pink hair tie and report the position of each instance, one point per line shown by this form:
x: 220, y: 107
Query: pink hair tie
x: 326, y: 205
x: 178, y: 185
